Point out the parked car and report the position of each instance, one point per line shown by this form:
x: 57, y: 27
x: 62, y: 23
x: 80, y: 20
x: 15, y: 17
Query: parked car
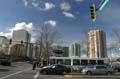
x: 5, y: 62
x: 98, y: 69
x: 116, y: 67
x: 55, y: 69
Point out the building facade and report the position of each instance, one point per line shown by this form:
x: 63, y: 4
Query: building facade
x: 4, y: 45
x: 57, y: 50
x: 22, y: 36
x: 74, y: 50
x: 65, y: 51
x: 97, y: 44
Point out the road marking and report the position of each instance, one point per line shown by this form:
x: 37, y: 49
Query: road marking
x: 14, y: 73
x: 36, y: 76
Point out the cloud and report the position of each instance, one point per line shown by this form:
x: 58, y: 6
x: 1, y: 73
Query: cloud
x: 65, y: 6
x: 51, y: 22
x: 25, y: 2
x: 67, y: 14
x: 8, y: 34
x: 79, y: 0
x: 35, y: 4
x: 21, y: 26
x: 47, y: 7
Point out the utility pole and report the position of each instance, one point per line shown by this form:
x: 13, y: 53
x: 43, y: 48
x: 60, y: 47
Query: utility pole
x: 9, y: 50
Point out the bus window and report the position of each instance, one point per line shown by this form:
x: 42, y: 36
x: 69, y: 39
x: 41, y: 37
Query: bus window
x: 67, y: 62
x: 100, y: 62
x: 59, y: 61
x: 52, y: 61
x: 92, y: 62
x: 76, y: 62
x: 84, y: 62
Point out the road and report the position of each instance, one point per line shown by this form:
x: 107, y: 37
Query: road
x: 23, y: 70
x: 18, y: 70
x: 81, y: 77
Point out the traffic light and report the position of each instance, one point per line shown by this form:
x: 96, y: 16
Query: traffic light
x: 93, y: 12
x: 10, y: 42
x: 21, y: 41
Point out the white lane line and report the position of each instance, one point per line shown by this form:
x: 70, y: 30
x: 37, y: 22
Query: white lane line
x: 14, y: 73
x: 36, y: 76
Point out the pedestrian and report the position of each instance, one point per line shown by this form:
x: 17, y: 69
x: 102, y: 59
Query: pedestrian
x: 37, y: 63
x: 34, y: 65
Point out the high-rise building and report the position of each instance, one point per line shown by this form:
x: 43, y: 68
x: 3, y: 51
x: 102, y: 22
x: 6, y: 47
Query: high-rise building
x: 37, y: 51
x: 21, y: 37
x: 74, y: 50
x: 4, y: 45
x: 97, y: 44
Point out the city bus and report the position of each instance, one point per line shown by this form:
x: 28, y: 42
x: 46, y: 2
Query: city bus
x: 78, y: 63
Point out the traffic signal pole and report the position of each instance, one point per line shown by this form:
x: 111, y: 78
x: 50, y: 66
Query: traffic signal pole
x: 9, y: 50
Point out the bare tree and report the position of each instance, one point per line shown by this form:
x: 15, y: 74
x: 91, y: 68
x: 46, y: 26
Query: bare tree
x: 49, y: 35
x: 116, y: 39
x: 116, y: 32
x: 84, y: 41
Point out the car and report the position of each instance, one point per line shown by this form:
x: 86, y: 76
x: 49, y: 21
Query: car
x: 5, y: 62
x: 98, y: 69
x: 55, y: 69
x: 116, y: 67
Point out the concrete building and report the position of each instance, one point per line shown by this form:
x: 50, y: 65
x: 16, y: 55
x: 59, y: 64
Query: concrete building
x: 65, y: 51
x: 74, y: 50
x: 37, y: 52
x: 24, y: 36
x: 97, y: 44
x: 57, y: 50
x: 4, y: 45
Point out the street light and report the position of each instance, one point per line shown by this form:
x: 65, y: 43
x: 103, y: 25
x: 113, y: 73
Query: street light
x: 103, y: 4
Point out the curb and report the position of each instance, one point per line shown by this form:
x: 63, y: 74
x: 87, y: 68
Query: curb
x: 90, y: 76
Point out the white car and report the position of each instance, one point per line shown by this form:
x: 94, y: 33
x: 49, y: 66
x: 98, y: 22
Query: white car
x: 98, y: 69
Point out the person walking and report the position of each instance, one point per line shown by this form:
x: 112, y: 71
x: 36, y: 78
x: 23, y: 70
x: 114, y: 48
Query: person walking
x: 34, y: 65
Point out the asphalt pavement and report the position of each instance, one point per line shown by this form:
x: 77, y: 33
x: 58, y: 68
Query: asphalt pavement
x: 18, y: 70
x: 23, y: 70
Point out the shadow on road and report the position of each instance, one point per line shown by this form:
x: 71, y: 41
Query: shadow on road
x: 4, y: 70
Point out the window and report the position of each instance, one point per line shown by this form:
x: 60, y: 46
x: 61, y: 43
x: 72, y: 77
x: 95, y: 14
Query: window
x: 76, y: 62
x: 59, y: 61
x: 52, y: 61
x: 84, y: 62
x: 67, y: 62
x: 100, y: 67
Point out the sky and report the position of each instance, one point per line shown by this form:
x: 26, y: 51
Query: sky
x: 69, y: 17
